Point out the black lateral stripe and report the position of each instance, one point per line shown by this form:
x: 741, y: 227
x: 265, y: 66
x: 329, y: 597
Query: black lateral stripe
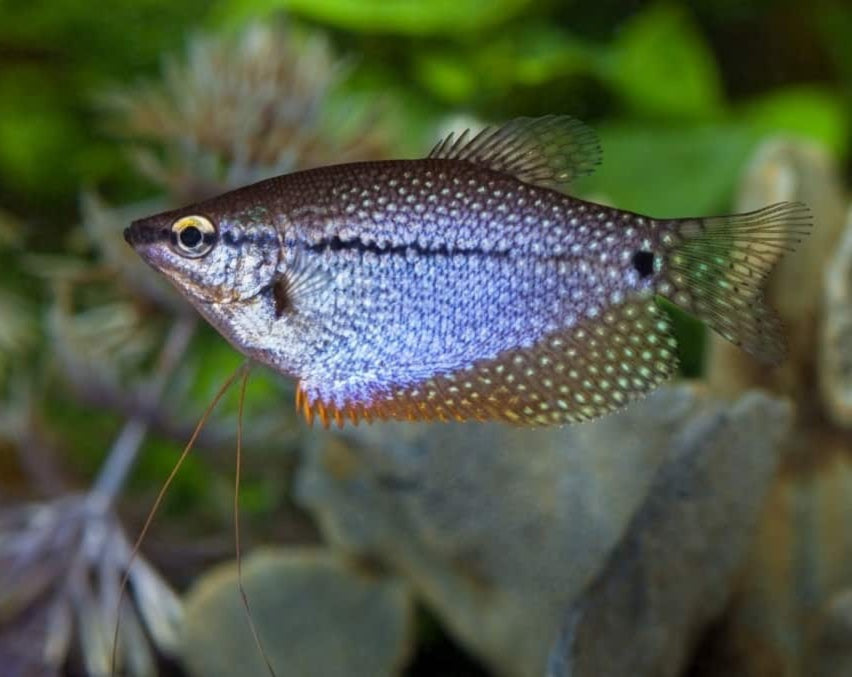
x: 336, y: 244
x: 262, y: 239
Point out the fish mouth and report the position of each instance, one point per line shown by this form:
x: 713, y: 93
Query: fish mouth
x: 143, y: 232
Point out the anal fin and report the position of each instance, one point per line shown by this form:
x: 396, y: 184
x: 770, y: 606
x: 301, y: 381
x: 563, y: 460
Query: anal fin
x: 575, y: 374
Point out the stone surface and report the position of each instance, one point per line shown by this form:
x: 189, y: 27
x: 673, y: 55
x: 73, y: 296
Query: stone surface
x: 835, y: 349
x: 316, y: 613
x: 832, y: 656
x: 787, y: 169
x: 803, y: 545
x: 500, y: 529
x: 800, y: 560
x: 672, y: 573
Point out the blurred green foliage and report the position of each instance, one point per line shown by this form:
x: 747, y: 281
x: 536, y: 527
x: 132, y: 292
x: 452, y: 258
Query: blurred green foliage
x: 655, y: 78
x: 419, y: 18
x: 654, y: 65
x: 679, y: 97
x: 680, y: 92
x: 55, y: 57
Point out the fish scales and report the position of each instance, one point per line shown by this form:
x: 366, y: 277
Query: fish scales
x: 441, y: 263
x: 464, y: 285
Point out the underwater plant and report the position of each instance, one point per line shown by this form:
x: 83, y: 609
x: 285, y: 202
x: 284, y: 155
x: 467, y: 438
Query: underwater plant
x: 695, y: 530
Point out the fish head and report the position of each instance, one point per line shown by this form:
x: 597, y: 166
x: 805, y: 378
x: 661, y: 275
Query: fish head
x: 214, y: 252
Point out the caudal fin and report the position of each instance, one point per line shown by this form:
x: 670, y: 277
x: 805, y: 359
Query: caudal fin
x: 715, y: 268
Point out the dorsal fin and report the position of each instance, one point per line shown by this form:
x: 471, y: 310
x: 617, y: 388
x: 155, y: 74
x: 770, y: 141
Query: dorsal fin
x: 549, y: 151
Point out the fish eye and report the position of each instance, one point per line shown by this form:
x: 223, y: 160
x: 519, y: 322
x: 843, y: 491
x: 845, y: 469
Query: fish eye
x: 193, y: 236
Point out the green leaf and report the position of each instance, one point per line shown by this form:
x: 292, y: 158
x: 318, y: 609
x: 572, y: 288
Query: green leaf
x: 662, y: 67
x: 809, y: 112
x: 402, y: 17
x: 833, y: 21
x: 671, y: 172
x: 447, y: 76
x: 27, y: 137
x: 531, y: 55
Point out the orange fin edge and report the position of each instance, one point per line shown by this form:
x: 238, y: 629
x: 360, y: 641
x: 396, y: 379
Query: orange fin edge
x: 574, y: 374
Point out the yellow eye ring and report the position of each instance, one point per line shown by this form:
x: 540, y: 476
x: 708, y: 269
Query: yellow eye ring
x: 193, y: 236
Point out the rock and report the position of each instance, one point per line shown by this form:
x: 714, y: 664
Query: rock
x: 799, y: 561
x: 316, y: 613
x: 803, y: 545
x: 500, y: 529
x: 835, y: 354
x: 833, y: 646
x: 786, y: 169
x: 672, y: 573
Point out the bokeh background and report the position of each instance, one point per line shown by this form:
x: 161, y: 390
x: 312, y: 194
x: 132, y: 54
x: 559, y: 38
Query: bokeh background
x: 108, y: 113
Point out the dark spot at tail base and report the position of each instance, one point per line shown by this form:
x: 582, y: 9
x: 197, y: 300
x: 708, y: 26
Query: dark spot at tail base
x: 643, y: 262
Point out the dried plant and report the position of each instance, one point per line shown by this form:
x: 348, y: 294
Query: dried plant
x: 232, y: 110
x: 235, y: 110
x: 17, y: 318
x: 17, y: 329
x: 61, y: 565
x: 62, y: 562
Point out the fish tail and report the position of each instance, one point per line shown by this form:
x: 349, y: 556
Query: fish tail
x: 715, y: 268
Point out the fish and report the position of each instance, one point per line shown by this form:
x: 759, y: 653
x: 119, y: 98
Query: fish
x: 469, y: 285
